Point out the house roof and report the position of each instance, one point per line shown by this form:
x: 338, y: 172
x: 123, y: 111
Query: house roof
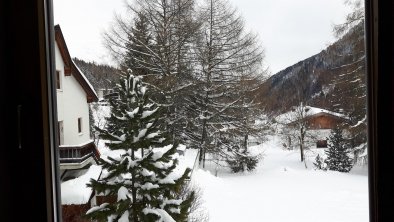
x: 310, y: 111
x: 70, y: 68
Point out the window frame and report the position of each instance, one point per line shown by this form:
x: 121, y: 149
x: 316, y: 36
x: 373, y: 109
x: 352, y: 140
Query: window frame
x: 372, y: 51
x: 379, y: 54
x: 80, y: 126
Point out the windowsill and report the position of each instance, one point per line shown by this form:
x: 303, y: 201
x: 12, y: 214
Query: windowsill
x: 59, y: 90
x: 80, y: 134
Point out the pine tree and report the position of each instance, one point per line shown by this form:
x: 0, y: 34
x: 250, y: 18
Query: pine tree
x: 338, y: 152
x: 142, y: 177
x: 137, y: 56
x: 241, y: 160
x: 155, y: 40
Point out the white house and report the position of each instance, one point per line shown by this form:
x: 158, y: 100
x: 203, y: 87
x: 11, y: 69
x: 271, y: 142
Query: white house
x: 74, y: 93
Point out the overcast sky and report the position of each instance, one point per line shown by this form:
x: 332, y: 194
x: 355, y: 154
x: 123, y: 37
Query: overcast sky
x: 289, y: 30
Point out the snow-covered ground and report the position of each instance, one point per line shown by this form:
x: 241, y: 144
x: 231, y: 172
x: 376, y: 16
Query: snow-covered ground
x: 281, y: 189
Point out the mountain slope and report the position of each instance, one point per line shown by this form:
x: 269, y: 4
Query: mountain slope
x: 333, y: 79
x: 328, y: 79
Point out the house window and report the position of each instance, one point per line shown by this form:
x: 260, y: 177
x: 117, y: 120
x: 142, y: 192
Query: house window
x: 321, y: 144
x: 80, y: 125
x: 58, y: 85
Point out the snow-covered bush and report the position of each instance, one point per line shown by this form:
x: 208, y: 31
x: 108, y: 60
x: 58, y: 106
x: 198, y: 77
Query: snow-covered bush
x: 319, y: 163
x: 242, y: 160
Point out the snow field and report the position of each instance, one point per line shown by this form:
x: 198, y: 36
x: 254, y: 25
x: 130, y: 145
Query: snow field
x: 282, y: 190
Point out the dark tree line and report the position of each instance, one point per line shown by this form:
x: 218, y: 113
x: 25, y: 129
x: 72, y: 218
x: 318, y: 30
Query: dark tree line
x: 99, y: 75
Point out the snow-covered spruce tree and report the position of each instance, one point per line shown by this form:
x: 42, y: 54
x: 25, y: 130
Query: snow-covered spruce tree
x: 338, y: 152
x: 241, y: 160
x: 142, y: 177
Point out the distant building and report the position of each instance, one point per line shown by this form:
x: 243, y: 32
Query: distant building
x: 324, y: 119
x: 319, y: 122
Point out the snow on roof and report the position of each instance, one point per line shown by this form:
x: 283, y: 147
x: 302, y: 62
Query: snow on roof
x: 291, y: 116
x: 75, y: 191
x: 314, y: 110
x: 86, y: 79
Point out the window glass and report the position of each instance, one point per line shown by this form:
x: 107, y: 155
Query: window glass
x: 263, y: 101
x: 79, y: 125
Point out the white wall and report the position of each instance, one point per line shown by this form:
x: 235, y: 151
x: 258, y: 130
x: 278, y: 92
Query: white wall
x: 100, y: 93
x: 71, y: 105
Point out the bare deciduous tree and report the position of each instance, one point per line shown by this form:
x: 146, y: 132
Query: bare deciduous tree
x: 204, y: 73
x: 295, y: 129
x: 226, y: 55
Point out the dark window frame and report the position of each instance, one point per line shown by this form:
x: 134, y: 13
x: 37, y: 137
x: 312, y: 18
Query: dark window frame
x: 29, y: 29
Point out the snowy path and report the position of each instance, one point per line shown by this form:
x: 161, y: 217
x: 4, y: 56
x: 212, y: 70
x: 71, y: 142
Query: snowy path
x: 282, y: 190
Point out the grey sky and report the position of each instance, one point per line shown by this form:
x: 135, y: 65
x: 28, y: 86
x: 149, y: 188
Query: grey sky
x: 289, y: 30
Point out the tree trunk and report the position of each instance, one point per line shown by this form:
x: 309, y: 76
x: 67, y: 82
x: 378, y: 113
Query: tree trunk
x: 302, y: 151
x: 134, y: 193
x: 202, y: 147
x: 246, y: 142
x: 203, y: 160
x: 301, y: 138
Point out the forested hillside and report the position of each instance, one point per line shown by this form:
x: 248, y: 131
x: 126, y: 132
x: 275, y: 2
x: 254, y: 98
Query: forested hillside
x: 326, y: 79
x: 333, y: 79
x: 99, y: 75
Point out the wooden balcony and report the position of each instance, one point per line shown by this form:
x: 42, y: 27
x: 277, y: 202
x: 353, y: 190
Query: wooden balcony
x: 77, y: 155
